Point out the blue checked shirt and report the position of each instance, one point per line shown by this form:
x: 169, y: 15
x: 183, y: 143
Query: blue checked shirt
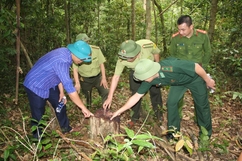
x: 50, y: 70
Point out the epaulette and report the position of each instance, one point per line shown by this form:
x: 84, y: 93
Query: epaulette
x: 95, y: 47
x: 175, y: 34
x: 202, y: 31
x: 148, y: 45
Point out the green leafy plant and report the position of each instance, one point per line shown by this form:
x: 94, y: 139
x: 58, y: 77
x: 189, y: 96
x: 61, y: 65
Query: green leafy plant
x: 222, y: 145
x: 235, y: 94
x: 180, y: 141
x: 131, y: 145
x: 204, y: 142
x: 25, y: 143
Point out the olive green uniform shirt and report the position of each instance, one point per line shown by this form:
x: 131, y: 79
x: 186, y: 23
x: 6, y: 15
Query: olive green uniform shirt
x: 196, y: 48
x: 93, y: 68
x: 148, y: 48
x: 174, y: 72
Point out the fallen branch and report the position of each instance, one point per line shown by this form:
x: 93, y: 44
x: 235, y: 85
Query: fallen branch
x: 171, y: 149
x: 74, y: 147
x: 10, y: 142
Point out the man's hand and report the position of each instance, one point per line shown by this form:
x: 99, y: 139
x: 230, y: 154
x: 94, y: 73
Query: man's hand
x: 78, y: 87
x: 115, y: 114
x: 104, y: 83
x: 86, y: 112
x: 211, y: 84
x: 107, y: 103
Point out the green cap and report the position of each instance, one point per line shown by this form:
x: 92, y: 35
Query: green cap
x: 129, y: 49
x: 82, y: 37
x: 145, y: 69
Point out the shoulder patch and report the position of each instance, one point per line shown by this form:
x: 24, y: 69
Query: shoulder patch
x: 94, y: 47
x: 201, y: 31
x: 175, y: 34
x: 167, y: 68
x: 147, y: 45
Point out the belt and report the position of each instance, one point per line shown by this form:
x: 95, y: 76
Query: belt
x: 92, y: 76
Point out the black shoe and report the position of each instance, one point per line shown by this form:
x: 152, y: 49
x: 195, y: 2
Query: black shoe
x: 169, y: 137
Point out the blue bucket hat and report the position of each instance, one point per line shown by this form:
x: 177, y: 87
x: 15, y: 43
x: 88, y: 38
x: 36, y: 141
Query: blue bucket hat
x: 81, y: 50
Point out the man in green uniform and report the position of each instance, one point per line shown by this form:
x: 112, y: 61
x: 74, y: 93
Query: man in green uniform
x: 92, y: 74
x: 175, y: 72
x: 129, y: 55
x: 187, y: 44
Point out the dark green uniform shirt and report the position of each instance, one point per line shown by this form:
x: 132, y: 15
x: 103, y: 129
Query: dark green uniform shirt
x: 174, y: 72
x: 196, y: 48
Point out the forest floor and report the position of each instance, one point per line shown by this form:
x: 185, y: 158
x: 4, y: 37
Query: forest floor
x: 225, y: 143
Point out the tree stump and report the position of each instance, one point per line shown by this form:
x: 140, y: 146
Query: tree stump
x: 101, y: 125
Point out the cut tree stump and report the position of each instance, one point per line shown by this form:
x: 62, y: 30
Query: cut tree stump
x: 101, y: 125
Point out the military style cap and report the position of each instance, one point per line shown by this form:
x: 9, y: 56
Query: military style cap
x: 145, y: 69
x: 82, y: 37
x: 129, y: 49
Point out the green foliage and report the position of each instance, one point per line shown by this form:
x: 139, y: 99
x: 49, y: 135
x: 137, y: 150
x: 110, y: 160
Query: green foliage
x: 235, y: 94
x: 128, y: 149
x: 204, y: 141
x: 25, y: 143
x: 180, y: 141
x: 222, y: 145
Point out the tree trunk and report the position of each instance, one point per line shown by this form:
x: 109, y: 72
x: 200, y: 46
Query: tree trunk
x: 17, y: 49
x: 98, y: 20
x: 67, y: 19
x: 162, y: 26
x: 148, y: 20
x: 133, y: 19
x: 213, y: 12
x: 101, y: 125
x: 181, y: 7
x: 155, y: 19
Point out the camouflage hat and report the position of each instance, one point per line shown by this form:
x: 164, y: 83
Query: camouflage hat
x: 82, y: 37
x: 129, y: 49
x: 145, y: 69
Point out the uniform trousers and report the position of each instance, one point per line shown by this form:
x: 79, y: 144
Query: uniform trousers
x: 199, y: 92
x: 37, y: 107
x: 155, y: 96
x: 87, y: 84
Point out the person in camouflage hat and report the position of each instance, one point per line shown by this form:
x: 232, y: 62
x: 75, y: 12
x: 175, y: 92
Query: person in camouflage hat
x: 91, y: 74
x: 129, y: 55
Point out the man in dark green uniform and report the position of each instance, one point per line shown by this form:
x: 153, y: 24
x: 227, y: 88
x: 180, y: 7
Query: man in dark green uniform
x: 187, y: 44
x: 129, y: 55
x: 91, y: 74
x: 175, y: 72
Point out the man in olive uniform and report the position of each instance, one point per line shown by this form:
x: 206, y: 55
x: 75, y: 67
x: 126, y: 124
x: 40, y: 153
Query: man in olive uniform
x: 92, y: 74
x: 187, y: 44
x: 174, y: 72
x: 129, y: 55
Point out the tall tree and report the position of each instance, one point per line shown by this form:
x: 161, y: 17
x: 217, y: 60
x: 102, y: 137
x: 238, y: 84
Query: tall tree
x: 67, y: 21
x: 148, y: 19
x: 133, y: 19
x: 155, y: 22
x: 213, y: 12
x: 17, y: 49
